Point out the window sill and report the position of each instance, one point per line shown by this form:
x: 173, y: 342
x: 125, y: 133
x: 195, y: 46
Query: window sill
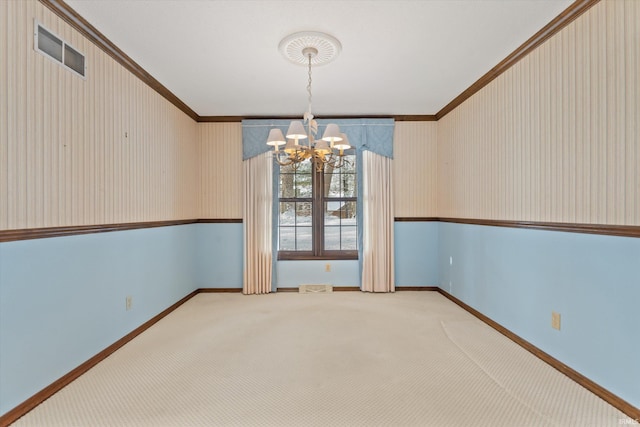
x: 306, y: 256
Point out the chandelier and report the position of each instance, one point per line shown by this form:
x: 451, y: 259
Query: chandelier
x: 300, y: 143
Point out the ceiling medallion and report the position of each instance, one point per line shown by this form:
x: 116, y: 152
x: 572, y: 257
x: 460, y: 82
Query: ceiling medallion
x: 327, y: 47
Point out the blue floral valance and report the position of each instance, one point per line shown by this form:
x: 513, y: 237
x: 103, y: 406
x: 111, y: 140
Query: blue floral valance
x: 374, y: 135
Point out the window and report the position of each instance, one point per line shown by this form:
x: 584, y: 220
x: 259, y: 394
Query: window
x: 55, y: 48
x: 317, y: 211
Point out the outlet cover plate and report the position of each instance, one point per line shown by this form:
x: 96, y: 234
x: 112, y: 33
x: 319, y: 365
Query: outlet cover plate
x: 555, y: 320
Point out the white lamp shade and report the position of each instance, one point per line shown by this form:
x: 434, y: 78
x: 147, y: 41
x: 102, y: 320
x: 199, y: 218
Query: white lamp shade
x: 296, y: 130
x: 276, y: 137
x: 322, y: 147
x: 344, y: 144
x: 291, y: 146
x: 332, y: 133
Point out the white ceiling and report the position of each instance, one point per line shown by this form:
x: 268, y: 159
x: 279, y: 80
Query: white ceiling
x: 399, y: 57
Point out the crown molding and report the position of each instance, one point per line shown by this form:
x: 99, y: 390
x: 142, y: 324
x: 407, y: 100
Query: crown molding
x: 397, y: 118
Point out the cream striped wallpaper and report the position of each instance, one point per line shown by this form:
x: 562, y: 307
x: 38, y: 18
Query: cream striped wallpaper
x: 220, y: 146
x: 107, y: 149
x: 221, y: 169
x: 556, y: 137
x: 415, y: 169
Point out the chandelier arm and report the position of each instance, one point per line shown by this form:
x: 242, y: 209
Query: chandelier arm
x: 294, y: 158
x: 287, y: 162
x: 336, y: 161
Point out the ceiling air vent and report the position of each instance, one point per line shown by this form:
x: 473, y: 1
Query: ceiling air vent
x: 58, y: 50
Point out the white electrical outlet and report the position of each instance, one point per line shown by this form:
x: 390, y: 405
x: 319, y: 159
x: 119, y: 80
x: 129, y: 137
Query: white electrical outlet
x: 327, y: 268
x: 129, y: 302
x: 450, y: 260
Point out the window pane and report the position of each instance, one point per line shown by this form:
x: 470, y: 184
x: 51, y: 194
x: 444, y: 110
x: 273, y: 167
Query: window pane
x: 305, y: 167
x: 349, y: 238
x: 303, y: 238
x: 332, y: 238
x: 287, y: 240
x: 340, y: 212
x: 332, y: 213
x: 303, y: 185
x: 287, y: 189
x: 287, y: 213
x: 303, y: 213
x: 349, y: 213
x: 296, y: 183
x: 348, y: 185
x: 338, y: 238
x: 295, y: 239
x: 332, y: 182
x: 349, y: 163
x: 340, y: 226
x: 295, y: 219
x: 341, y: 182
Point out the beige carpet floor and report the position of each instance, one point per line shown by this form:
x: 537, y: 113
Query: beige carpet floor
x: 341, y: 359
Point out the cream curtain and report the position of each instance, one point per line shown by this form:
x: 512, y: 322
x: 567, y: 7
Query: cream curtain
x: 377, y: 215
x: 257, y: 215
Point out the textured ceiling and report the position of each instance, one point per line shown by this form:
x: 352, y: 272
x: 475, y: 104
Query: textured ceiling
x: 399, y: 57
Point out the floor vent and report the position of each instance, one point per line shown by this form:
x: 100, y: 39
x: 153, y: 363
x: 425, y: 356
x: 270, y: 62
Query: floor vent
x: 315, y: 289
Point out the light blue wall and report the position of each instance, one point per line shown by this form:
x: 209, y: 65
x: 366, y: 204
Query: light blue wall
x: 62, y: 300
x: 219, y: 255
x: 416, y: 254
x: 219, y: 262
x: 294, y: 273
x: 416, y: 262
x: 517, y: 277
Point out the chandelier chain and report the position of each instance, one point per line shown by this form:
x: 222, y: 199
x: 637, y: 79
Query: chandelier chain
x: 309, y: 85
